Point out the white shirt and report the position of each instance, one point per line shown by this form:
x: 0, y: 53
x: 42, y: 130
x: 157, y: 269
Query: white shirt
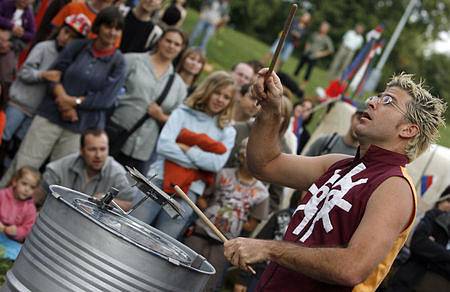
x: 214, y: 12
x: 352, y: 40
x: 17, y: 17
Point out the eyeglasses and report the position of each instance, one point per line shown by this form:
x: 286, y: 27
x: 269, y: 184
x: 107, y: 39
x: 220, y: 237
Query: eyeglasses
x: 386, y: 99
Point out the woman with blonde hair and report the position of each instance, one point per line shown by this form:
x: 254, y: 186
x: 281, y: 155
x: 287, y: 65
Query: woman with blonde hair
x: 194, y: 144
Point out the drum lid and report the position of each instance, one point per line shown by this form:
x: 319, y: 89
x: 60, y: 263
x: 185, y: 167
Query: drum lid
x: 127, y: 227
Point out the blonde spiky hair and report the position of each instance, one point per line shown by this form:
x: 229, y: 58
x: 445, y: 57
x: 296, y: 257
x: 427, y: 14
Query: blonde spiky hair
x: 424, y: 110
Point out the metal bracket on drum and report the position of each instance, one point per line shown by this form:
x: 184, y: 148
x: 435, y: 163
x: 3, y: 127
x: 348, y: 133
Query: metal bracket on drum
x: 150, y: 190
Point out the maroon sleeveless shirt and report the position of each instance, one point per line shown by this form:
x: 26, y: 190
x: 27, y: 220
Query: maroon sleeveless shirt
x: 331, y: 211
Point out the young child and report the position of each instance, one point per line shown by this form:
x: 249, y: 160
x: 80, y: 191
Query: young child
x: 17, y: 211
x: 239, y: 203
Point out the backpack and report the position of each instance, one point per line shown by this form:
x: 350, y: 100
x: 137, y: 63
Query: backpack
x: 329, y: 144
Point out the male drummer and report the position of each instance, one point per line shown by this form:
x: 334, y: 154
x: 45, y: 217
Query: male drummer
x: 358, y: 211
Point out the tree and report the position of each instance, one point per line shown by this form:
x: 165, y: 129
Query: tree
x: 434, y: 69
x: 265, y: 19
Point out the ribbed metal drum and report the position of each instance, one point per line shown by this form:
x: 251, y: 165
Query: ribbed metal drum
x: 75, y: 246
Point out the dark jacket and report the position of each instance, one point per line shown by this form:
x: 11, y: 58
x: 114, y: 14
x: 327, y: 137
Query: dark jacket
x: 428, y: 252
x: 99, y: 79
x: 7, y: 9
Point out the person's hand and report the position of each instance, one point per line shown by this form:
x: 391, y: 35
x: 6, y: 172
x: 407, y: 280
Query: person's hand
x: 242, y: 252
x: 5, y: 47
x: 202, y: 203
x: 2, y: 227
x: 5, y: 44
x: 184, y: 147
x: 99, y: 196
x: 18, y: 31
x: 11, y: 230
x: 239, y: 288
x: 65, y: 102
x: 70, y: 115
x: 156, y: 112
x: 318, y: 56
x: 268, y: 91
x: 51, y: 75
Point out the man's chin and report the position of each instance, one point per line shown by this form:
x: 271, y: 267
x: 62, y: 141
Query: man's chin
x: 97, y: 167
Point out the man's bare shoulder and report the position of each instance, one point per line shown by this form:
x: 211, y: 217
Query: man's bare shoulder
x: 394, y: 198
x: 389, y: 211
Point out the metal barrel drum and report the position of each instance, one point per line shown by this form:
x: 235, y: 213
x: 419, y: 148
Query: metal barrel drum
x: 76, y: 246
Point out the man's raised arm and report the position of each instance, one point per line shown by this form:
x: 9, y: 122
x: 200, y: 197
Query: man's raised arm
x: 265, y: 159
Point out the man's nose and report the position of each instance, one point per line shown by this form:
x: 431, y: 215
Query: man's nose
x: 373, y: 103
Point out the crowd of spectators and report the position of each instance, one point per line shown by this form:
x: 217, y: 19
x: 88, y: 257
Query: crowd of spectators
x: 97, y: 85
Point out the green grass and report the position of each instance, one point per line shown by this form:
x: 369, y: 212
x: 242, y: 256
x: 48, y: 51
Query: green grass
x: 228, y: 47
x: 445, y: 136
x: 5, y: 265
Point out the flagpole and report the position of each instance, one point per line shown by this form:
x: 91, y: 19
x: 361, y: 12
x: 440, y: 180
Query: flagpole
x: 375, y: 77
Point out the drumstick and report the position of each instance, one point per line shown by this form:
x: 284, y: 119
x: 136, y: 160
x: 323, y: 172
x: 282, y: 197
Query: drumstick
x: 280, y: 44
x: 205, y: 219
x: 287, y: 26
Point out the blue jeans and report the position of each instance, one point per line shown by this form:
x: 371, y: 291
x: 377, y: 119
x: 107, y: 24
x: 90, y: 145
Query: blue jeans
x: 151, y: 213
x: 201, y: 27
x: 287, y: 50
x: 17, y: 123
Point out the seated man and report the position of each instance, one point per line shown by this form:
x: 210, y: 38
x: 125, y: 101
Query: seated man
x: 91, y: 171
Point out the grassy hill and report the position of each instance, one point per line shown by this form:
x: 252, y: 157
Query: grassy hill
x: 229, y: 46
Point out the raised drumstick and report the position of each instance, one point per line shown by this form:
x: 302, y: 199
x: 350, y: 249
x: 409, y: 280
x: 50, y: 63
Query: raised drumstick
x: 205, y: 219
x: 287, y: 26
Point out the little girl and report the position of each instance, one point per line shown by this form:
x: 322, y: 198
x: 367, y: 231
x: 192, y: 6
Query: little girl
x: 203, y: 119
x: 238, y: 203
x: 17, y: 211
